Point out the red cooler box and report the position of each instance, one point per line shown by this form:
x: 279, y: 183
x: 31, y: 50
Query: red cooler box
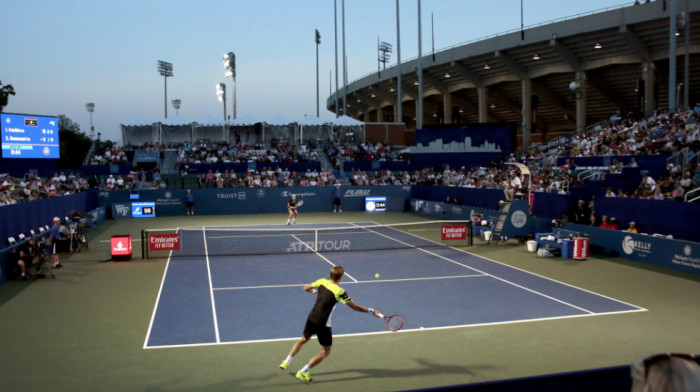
x: 581, y: 248
x: 120, y: 247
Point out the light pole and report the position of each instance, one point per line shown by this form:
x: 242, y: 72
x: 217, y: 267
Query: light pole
x: 384, y: 54
x: 221, y: 93
x: 318, y: 42
x: 176, y: 104
x: 230, y: 65
x: 91, y: 108
x: 165, y: 70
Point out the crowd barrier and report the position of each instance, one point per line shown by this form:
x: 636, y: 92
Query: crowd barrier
x: 674, y: 254
x: 666, y: 217
x: 215, y: 201
x: 103, y: 170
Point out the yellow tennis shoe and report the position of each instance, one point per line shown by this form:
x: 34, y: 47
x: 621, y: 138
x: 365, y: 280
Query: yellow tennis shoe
x: 305, y: 377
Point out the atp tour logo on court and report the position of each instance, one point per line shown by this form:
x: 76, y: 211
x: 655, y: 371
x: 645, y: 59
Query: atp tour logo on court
x: 518, y: 219
x: 629, y: 245
x: 308, y: 246
x: 164, y: 241
x: 454, y: 232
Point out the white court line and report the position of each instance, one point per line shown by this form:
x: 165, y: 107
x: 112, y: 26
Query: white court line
x: 211, y: 287
x: 155, y: 306
x: 321, y: 256
x: 520, y: 286
x: 589, y: 313
x: 401, y: 331
x: 355, y: 282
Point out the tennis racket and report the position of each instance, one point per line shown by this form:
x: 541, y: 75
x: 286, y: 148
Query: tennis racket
x: 300, y: 203
x: 393, y: 322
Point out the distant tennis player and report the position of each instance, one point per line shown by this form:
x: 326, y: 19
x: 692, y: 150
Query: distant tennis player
x: 318, y: 323
x: 292, y: 207
x: 337, y: 195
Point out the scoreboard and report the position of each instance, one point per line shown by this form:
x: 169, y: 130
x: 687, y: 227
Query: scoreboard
x: 29, y: 136
x: 375, y: 203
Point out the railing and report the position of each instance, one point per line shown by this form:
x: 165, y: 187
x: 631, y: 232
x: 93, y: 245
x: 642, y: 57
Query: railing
x: 687, y: 194
x: 694, y: 161
x: 565, y: 186
x: 679, y: 159
x: 588, y: 174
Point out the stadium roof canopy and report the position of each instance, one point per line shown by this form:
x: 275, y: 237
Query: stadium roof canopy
x: 612, y: 53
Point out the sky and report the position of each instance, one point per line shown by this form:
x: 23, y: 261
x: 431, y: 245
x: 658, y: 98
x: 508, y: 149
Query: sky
x: 61, y: 54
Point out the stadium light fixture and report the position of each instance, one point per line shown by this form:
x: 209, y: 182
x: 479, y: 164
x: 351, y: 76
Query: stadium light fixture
x: 91, y: 108
x: 384, y: 53
x: 176, y: 104
x: 487, y: 66
x: 536, y: 57
x: 221, y: 94
x: 317, y: 40
x: 166, y: 70
x: 598, y: 45
x: 230, y: 66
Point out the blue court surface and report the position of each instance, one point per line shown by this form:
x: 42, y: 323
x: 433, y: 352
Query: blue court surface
x: 208, y: 299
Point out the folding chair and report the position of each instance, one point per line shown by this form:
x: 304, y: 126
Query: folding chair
x: 41, y: 230
x: 45, y: 268
x: 21, y: 237
x: 33, y: 233
x: 12, y: 241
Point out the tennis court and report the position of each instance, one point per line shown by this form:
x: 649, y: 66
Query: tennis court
x: 243, y: 284
x: 92, y: 321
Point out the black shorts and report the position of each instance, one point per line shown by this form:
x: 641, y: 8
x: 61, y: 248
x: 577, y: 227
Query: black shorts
x: 323, y: 333
x: 190, y: 204
x: 336, y: 201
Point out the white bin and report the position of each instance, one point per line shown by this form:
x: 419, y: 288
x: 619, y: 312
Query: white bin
x: 487, y: 235
x: 531, y: 246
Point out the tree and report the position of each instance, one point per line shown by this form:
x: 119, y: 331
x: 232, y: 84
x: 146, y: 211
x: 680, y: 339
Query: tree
x: 5, y: 92
x: 74, y: 144
x: 66, y: 124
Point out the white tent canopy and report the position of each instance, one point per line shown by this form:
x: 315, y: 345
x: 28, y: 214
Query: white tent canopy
x: 279, y: 120
x: 175, y: 120
x: 312, y: 120
x: 137, y: 121
x: 244, y: 120
x: 346, y: 120
x: 210, y: 120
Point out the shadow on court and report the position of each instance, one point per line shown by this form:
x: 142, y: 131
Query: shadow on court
x: 424, y: 368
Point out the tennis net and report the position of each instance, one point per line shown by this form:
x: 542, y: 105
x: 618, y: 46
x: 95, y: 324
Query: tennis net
x: 231, y: 241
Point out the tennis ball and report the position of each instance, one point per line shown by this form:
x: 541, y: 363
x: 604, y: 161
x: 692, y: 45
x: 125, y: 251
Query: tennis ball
x: 376, y: 276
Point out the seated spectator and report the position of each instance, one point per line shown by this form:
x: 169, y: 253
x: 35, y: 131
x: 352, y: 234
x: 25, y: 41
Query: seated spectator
x: 632, y: 228
x: 29, y: 253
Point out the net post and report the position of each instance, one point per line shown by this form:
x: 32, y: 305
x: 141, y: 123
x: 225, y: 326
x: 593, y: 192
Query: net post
x: 316, y: 240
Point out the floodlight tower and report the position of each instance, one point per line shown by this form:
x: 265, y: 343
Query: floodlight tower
x: 384, y: 49
x: 318, y: 42
x: 221, y: 93
x: 91, y: 108
x: 176, y: 104
x: 166, y: 70
x: 230, y: 65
